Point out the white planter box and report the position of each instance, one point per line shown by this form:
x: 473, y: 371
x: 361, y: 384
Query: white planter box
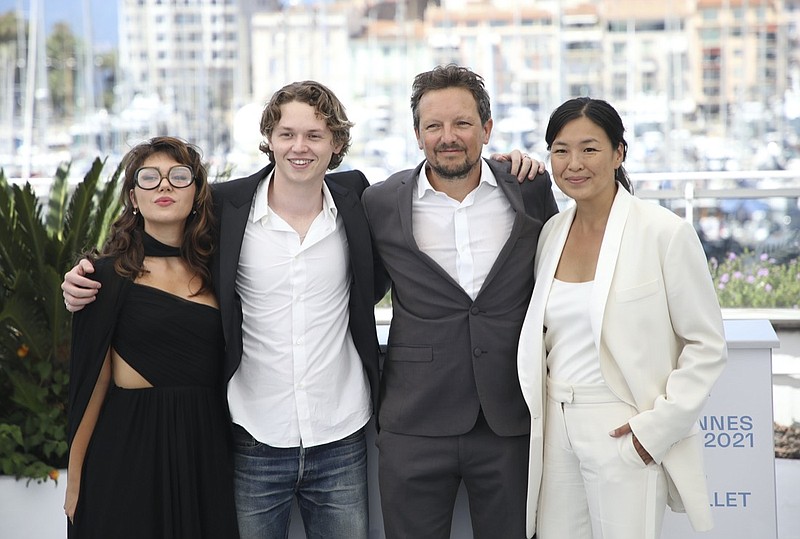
x: 32, y: 510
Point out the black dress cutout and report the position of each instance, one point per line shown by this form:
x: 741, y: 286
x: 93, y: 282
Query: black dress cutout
x: 158, y: 464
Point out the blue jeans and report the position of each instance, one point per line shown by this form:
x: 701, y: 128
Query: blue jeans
x: 329, y: 481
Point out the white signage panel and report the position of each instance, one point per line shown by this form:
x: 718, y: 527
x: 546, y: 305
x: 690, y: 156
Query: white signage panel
x: 737, y: 431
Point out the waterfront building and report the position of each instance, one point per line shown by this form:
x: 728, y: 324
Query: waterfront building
x: 187, y: 55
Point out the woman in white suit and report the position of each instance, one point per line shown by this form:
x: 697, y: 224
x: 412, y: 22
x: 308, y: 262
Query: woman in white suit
x: 621, y: 345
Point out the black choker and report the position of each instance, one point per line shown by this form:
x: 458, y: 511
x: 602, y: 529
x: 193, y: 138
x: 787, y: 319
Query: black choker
x: 153, y: 247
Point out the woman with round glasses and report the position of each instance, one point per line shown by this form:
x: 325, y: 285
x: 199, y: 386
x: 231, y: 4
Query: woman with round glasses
x: 147, y: 423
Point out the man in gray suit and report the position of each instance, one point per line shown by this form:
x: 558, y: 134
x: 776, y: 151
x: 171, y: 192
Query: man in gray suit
x: 457, y: 236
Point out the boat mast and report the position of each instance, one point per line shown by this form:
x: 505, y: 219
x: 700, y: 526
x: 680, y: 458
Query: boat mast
x: 30, y: 88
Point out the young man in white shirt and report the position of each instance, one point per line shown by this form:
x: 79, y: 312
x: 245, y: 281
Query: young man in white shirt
x: 294, y: 275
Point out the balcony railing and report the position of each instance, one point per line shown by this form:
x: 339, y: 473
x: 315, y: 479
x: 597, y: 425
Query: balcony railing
x: 731, y: 210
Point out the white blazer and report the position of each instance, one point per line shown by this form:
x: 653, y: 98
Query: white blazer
x: 657, y: 326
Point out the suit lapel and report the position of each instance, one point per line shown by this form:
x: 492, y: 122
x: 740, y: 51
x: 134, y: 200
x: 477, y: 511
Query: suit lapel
x: 547, y: 262
x: 348, y: 206
x: 550, y: 255
x: 607, y: 260
x: 406, y: 191
x: 510, y: 187
x: 233, y: 220
x: 531, y: 355
x: 344, y: 198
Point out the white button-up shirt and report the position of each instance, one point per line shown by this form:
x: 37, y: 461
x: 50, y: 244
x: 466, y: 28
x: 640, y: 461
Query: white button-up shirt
x: 465, y: 237
x: 301, y: 381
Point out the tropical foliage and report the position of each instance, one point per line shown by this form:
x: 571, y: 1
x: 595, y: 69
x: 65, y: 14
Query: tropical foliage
x: 36, y: 249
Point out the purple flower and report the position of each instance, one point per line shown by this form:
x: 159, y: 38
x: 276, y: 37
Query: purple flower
x: 721, y: 286
x: 737, y: 274
x: 751, y: 279
x: 724, y: 278
x: 768, y: 287
x: 764, y: 256
x: 763, y: 272
x: 731, y: 256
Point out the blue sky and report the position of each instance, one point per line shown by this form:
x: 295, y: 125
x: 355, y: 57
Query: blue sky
x: 103, y: 13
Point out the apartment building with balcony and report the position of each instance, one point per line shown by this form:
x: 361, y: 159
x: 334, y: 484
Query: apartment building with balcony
x: 741, y: 62
x: 722, y: 67
x: 300, y: 43
x: 185, y: 55
x: 514, y: 46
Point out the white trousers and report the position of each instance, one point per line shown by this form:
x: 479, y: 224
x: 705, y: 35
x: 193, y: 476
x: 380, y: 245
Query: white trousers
x: 595, y: 486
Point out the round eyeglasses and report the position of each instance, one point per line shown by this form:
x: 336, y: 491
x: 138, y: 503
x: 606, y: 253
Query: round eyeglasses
x: 149, y: 178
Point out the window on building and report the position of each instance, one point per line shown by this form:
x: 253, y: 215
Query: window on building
x: 650, y: 26
x: 618, y: 26
x: 649, y: 83
x: 711, y: 75
x: 619, y: 86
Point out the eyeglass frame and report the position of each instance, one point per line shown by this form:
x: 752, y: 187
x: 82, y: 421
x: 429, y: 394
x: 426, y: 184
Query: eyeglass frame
x: 161, y: 177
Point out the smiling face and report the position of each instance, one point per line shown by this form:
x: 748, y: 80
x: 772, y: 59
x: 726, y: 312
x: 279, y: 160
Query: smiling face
x: 451, y: 134
x: 302, y: 144
x: 583, y: 160
x: 165, y: 206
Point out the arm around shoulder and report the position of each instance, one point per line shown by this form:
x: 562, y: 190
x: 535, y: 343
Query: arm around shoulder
x: 78, y: 288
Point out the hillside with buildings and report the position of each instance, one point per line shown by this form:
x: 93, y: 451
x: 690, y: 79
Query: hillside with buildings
x: 702, y: 84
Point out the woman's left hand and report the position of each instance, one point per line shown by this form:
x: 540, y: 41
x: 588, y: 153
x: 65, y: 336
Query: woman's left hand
x: 625, y: 429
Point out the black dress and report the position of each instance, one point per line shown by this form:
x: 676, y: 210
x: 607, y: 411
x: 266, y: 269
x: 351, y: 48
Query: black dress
x: 158, y: 464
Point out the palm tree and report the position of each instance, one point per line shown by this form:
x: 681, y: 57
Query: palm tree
x: 62, y: 57
x: 10, y: 29
x: 36, y: 249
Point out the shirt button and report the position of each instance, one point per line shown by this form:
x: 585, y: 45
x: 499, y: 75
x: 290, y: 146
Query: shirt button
x: 474, y: 311
x: 477, y: 352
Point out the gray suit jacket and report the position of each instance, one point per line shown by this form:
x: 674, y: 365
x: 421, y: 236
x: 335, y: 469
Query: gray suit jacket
x: 449, y: 356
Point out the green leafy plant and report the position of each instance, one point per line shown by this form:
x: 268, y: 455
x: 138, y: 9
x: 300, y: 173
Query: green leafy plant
x: 36, y: 249
x: 756, y: 281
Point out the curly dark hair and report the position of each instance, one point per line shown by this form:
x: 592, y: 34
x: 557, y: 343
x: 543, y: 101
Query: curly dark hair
x: 124, y: 242
x: 325, y: 103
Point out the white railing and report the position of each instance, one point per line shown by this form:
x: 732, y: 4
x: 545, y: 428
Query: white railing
x: 690, y: 187
x: 735, y: 210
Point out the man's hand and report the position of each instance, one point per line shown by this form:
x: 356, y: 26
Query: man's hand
x: 78, y: 289
x: 625, y: 429
x: 522, y: 165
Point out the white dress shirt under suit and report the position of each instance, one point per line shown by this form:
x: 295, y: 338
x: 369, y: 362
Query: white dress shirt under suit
x: 465, y: 237
x: 300, y: 381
